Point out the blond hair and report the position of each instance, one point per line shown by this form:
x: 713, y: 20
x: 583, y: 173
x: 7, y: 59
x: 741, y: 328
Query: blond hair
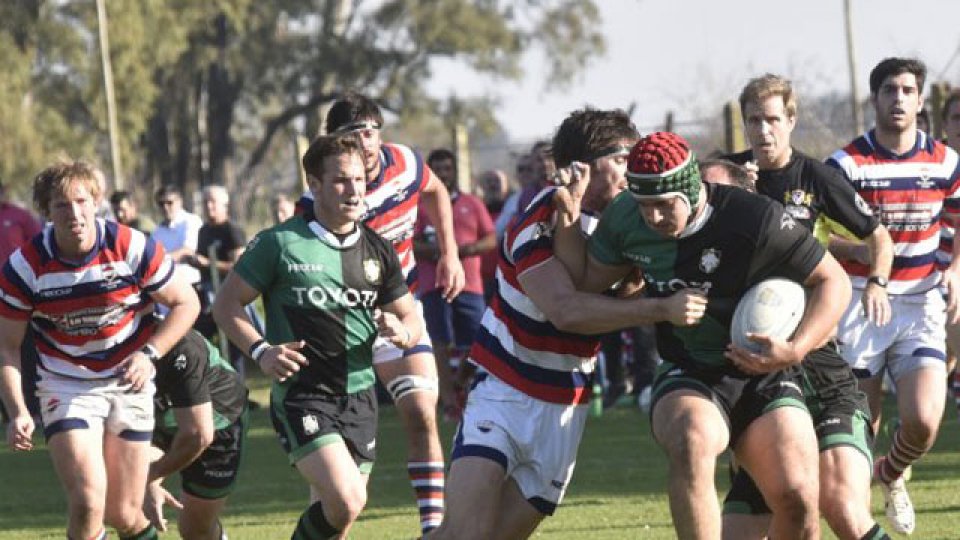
x: 761, y: 88
x: 57, y: 179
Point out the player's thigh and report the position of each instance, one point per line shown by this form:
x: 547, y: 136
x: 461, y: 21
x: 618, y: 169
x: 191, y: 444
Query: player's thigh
x: 472, y: 497
x: 779, y: 450
x: 128, y: 462
x: 921, y: 396
x: 334, y: 475
x: 78, y: 459
x: 845, y: 474
x: 517, y: 517
x: 737, y: 526
x: 685, y: 420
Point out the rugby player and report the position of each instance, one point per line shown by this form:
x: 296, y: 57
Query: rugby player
x: 324, y: 278
x: 911, y: 181
x: 200, y: 413
x: 86, y: 287
x: 709, y: 394
x: 396, y: 180
x: 820, y: 199
x: 516, y: 447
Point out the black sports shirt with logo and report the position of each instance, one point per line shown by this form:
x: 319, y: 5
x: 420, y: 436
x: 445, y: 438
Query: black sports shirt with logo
x: 739, y: 240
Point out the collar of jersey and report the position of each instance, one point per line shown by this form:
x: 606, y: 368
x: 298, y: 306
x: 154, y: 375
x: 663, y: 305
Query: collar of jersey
x: 886, y: 153
x: 50, y: 243
x: 386, y: 161
x: 331, y: 239
x: 697, y: 224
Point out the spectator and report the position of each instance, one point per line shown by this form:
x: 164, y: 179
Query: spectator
x: 126, y: 212
x: 282, y: 208
x: 452, y: 325
x: 178, y: 231
x: 219, y: 244
x: 495, y: 189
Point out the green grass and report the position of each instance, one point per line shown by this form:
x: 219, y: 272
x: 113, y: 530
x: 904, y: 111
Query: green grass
x: 617, y: 490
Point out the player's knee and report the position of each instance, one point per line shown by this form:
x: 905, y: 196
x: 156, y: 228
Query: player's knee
x: 691, y: 442
x: 87, y: 505
x: 194, y: 525
x: 796, y: 501
x: 920, y: 432
x: 127, y: 519
x: 346, y: 507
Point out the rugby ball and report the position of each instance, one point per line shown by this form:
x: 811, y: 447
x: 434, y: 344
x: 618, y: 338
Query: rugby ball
x: 772, y: 307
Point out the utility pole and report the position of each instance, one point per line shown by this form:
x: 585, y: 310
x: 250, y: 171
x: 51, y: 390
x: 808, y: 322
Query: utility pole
x: 852, y: 65
x: 108, y: 93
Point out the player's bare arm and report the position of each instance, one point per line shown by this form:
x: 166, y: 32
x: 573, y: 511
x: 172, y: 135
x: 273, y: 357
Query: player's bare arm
x: 184, y: 306
x: 450, y: 278
x: 278, y: 361
x: 951, y: 280
x: 21, y: 426
x: 399, y: 322
x: 829, y: 292
x: 552, y: 290
x: 876, y: 304
x: 194, y: 435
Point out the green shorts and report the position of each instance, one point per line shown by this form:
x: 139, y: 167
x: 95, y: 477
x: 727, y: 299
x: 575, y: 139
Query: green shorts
x: 306, y: 419
x: 840, y: 414
x: 740, y: 398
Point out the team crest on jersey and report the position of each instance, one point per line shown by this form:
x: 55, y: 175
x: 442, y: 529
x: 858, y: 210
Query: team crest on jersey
x: 110, y: 276
x: 52, y: 404
x: 924, y: 181
x: 862, y: 205
x: 800, y: 197
x: 371, y: 271
x: 180, y: 363
x: 310, y: 424
x: 709, y: 260
x: 787, y: 222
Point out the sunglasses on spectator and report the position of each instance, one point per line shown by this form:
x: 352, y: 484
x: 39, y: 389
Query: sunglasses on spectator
x: 168, y: 202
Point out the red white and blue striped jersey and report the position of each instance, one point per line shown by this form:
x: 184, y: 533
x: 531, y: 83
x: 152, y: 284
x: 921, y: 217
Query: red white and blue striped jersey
x: 392, y: 201
x: 89, y: 315
x: 911, y: 193
x: 516, y: 342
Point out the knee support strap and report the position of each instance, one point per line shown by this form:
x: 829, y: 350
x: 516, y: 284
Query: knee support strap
x: 408, y: 384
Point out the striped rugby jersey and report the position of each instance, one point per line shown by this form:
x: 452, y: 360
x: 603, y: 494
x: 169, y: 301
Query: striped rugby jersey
x: 515, y: 341
x: 911, y: 193
x: 87, y: 316
x: 392, y: 201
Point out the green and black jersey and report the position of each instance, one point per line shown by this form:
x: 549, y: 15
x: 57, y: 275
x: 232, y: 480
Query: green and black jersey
x: 738, y: 240
x: 816, y: 195
x: 323, y: 289
x: 193, y: 372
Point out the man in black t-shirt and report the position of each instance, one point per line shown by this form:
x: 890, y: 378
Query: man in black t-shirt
x: 226, y: 240
x: 200, y: 412
x: 822, y: 200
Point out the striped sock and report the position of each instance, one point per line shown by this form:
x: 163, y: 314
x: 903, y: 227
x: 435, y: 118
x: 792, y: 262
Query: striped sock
x: 427, y: 481
x: 900, y: 456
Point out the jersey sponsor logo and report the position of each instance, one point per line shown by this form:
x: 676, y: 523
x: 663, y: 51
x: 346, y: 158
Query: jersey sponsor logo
x: 180, y: 363
x: 676, y: 284
x: 88, y: 321
x: 322, y: 296
x: 798, y: 212
x: 787, y: 222
x: 639, y: 258
x: 218, y: 474
x: 371, y: 445
x: 709, y: 260
x: 875, y: 183
x: 310, y: 424
x: 832, y: 421
x: 862, y: 205
x: 304, y: 268
x: 53, y: 293
x: 371, y: 271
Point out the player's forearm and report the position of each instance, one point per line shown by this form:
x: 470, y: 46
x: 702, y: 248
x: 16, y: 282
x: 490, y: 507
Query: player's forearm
x: 570, y: 248
x: 829, y: 298
x: 481, y: 246
x: 232, y: 318
x: 185, y: 448
x: 589, y: 313
x: 880, y: 246
x: 10, y: 379
x: 183, y: 313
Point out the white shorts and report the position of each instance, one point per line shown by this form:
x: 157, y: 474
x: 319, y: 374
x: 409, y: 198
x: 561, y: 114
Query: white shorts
x: 535, y: 441
x: 914, y: 338
x: 68, y: 403
x: 384, y: 351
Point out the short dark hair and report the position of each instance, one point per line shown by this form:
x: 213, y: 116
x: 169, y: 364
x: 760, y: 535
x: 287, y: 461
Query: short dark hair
x: 738, y: 173
x: 352, y: 107
x: 441, y: 154
x: 167, y: 190
x: 586, y: 134
x: 119, y: 196
x: 328, y: 145
x: 891, y: 67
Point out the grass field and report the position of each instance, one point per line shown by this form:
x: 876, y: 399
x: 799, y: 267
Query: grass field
x: 617, y: 490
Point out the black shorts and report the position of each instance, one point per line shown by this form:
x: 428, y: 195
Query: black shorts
x: 740, y: 398
x: 840, y: 415
x: 306, y: 419
x: 213, y: 474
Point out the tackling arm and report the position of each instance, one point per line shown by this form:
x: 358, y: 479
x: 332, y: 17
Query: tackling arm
x: 194, y: 435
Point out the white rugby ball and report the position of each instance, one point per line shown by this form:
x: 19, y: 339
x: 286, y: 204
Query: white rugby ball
x: 772, y: 307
